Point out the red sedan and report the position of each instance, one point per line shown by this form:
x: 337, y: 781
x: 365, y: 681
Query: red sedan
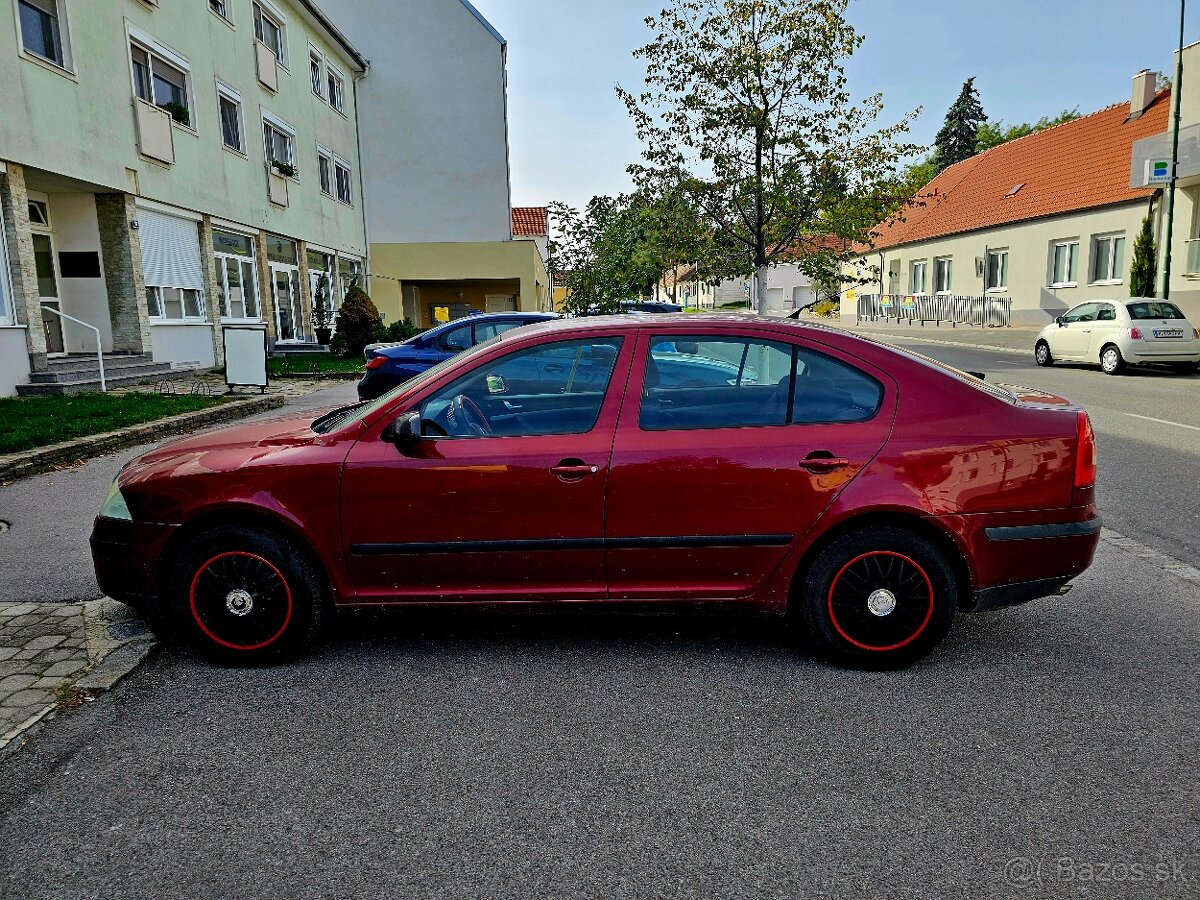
x: 761, y: 464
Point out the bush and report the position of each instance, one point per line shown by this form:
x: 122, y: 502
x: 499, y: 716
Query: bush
x: 398, y: 331
x: 358, y: 323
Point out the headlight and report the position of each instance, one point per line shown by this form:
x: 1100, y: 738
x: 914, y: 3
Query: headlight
x: 114, y: 506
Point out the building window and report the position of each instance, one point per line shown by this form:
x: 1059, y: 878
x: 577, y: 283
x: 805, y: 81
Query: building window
x: 42, y: 30
x: 918, y: 277
x: 341, y: 175
x: 39, y: 213
x: 996, y: 270
x: 336, y: 82
x: 159, y: 82
x: 943, y: 274
x: 315, y: 73
x: 6, y: 309
x: 237, y: 279
x: 230, y: 106
x: 269, y: 29
x: 1064, y: 268
x: 325, y: 170
x: 1108, y: 258
x: 280, y: 145
x: 172, y: 303
x: 221, y: 8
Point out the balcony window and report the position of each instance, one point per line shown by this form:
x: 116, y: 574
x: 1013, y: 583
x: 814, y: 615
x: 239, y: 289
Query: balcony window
x: 280, y: 145
x: 159, y: 82
x: 325, y: 170
x: 270, y: 30
x: 341, y: 174
x: 221, y: 8
x: 316, y: 74
x: 231, y: 119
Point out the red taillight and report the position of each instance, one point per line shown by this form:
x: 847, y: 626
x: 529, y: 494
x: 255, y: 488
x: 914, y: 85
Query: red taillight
x: 1135, y: 333
x: 376, y: 361
x: 1196, y: 333
x: 1085, y: 453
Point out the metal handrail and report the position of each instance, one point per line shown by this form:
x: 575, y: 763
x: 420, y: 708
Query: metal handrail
x: 95, y: 331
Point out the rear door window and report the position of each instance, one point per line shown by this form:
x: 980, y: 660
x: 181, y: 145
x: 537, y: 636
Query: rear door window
x: 699, y: 382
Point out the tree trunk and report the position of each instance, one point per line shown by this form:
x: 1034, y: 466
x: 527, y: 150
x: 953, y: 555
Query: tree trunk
x: 760, y: 289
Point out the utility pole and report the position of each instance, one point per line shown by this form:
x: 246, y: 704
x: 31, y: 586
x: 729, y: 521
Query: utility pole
x: 1177, y: 100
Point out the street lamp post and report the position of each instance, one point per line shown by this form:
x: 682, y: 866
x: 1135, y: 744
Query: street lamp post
x: 1177, y: 100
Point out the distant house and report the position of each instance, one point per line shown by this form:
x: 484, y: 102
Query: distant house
x: 1046, y: 220
x: 532, y: 223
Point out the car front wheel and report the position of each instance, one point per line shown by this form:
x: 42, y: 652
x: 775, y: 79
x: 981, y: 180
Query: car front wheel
x: 247, y: 596
x: 878, y: 598
x: 1111, y: 361
x: 1042, y: 354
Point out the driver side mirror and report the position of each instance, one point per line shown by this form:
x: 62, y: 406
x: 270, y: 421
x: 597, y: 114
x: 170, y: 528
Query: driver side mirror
x: 404, y: 432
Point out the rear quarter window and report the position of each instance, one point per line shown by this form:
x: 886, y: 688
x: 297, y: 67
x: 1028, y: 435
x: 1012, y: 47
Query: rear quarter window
x: 1153, y: 310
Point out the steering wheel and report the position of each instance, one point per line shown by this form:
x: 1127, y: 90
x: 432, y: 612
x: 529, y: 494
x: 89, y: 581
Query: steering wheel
x: 464, y: 412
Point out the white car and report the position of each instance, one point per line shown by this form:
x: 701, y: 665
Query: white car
x: 1117, y: 333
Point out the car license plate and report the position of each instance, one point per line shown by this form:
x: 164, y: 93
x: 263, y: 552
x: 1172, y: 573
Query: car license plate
x: 1168, y: 332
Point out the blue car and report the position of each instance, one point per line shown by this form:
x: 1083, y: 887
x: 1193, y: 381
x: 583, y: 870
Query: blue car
x: 390, y: 365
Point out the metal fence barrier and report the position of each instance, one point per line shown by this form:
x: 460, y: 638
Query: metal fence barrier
x: 986, y: 312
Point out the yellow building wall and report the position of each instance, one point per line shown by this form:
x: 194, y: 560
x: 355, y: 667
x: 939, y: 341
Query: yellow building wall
x: 518, y: 261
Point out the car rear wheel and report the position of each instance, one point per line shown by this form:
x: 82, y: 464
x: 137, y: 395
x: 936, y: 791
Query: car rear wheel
x: 1042, y: 354
x: 1111, y: 360
x: 879, y: 598
x: 247, y: 596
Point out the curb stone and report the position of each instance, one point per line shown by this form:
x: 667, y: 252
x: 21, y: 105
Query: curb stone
x: 43, y: 459
x: 104, y: 639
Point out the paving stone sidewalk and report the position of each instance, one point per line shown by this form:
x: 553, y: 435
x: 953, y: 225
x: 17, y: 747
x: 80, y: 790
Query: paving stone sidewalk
x: 52, y: 653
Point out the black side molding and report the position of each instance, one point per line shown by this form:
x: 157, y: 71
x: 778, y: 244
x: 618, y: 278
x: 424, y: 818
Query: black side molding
x: 595, y: 543
x: 1042, y: 532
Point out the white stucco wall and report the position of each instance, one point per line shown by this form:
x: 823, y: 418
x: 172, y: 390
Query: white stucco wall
x: 14, y: 359
x: 434, y: 128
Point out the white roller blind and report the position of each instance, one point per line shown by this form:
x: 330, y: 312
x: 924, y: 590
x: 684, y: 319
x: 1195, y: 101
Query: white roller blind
x: 170, y: 251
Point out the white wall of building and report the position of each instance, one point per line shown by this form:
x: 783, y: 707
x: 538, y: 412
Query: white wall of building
x: 434, y: 125
x: 14, y: 359
x: 184, y: 344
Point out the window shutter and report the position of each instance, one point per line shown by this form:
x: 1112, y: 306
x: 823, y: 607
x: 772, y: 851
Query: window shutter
x: 170, y: 251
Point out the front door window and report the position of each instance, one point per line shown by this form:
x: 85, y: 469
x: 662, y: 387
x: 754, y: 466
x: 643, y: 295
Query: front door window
x: 47, y: 279
x: 288, y: 316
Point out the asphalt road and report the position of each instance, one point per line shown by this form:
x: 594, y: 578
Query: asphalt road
x: 44, y: 553
x: 1147, y: 426
x: 1047, y: 750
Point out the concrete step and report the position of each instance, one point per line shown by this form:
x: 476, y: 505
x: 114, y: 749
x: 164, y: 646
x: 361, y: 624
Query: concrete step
x: 91, y: 382
x: 145, y: 370
x: 112, y: 362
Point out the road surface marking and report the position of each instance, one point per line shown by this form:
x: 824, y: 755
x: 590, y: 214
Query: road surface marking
x: 1163, y: 421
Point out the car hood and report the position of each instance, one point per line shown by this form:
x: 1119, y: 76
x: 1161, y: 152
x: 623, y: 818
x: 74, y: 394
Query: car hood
x: 225, y: 449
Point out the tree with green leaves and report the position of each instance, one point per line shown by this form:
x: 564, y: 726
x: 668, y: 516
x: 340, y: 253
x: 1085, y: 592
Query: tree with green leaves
x: 598, y: 254
x: 1143, y: 272
x: 747, y: 107
x: 993, y: 134
x: 959, y: 133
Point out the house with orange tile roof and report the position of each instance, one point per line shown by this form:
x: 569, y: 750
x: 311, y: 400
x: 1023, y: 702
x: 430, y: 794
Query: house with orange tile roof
x: 1046, y: 221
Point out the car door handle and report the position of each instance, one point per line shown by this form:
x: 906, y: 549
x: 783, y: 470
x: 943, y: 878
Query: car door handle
x: 573, y: 470
x: 824, y: 463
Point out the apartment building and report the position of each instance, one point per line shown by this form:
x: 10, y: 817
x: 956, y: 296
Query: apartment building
x: 436, y: 168
x: 167, y: 169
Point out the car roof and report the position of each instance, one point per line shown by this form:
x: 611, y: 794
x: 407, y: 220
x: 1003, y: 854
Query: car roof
x: 723, y: 322
x: 473, y: 317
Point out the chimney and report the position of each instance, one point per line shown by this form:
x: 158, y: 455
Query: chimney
x: 1145, y: 85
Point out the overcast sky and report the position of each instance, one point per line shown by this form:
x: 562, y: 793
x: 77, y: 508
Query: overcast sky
x: 571, y: 137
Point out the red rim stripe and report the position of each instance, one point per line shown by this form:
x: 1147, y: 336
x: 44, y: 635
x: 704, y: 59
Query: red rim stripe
x: 196, y: 614
x: 906, y: 641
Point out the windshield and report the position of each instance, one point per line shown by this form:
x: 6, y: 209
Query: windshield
x: 358, y: 411
x: 1154, y: 310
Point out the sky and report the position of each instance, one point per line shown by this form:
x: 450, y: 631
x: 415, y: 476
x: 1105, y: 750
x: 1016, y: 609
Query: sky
x: 571, y: 137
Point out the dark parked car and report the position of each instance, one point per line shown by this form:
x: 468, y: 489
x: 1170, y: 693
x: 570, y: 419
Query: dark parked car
x: 767, y: 465
x: 651, y: 306
x: 391, y: 364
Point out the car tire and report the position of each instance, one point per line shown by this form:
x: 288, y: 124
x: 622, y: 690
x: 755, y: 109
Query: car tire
x: 246, y: 596
x: 879, y: 598
x: 1042, y: 355
x: 1190, y: 368
x: 1111, y: 360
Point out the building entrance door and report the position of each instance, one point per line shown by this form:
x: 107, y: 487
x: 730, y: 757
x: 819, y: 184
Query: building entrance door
x: 289, y: 316
x: 48, y: 296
